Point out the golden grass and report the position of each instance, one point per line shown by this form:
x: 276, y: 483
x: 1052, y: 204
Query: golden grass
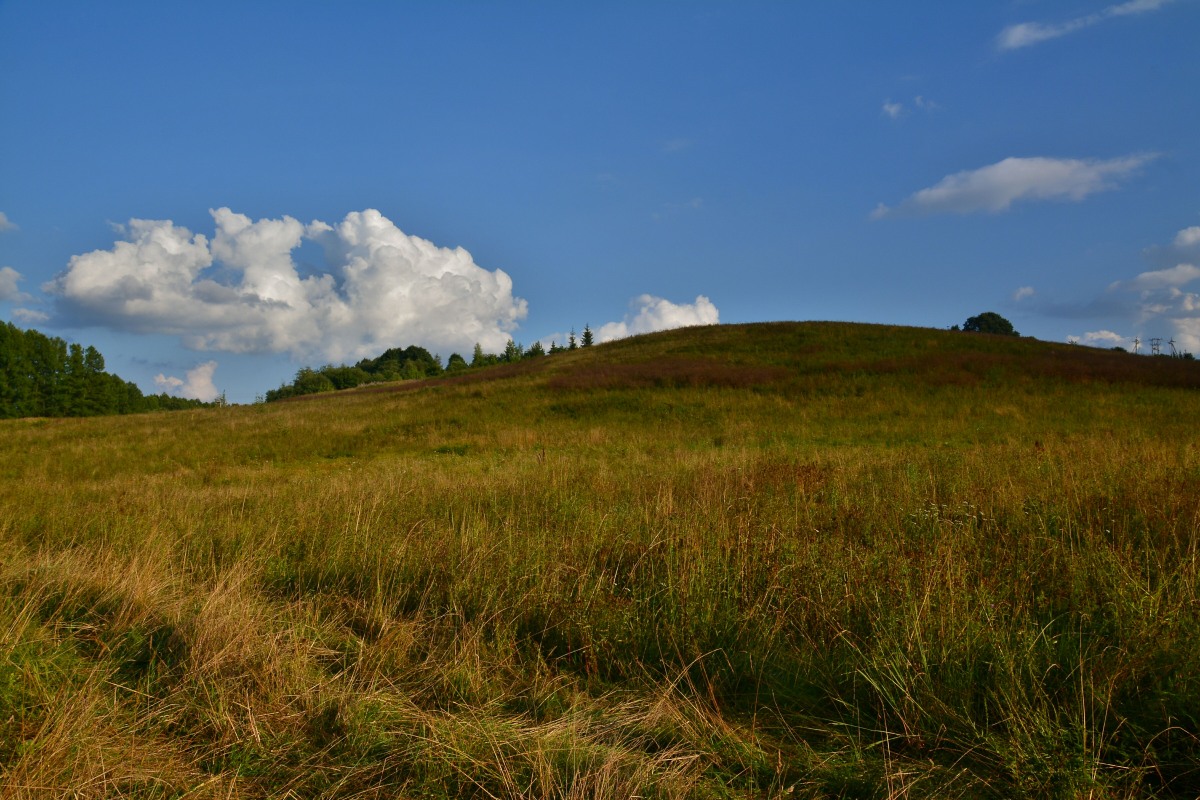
x: 824, y: 582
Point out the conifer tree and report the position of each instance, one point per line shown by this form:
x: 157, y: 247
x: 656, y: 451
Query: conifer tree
x: 587, y: 336
x: 43, y: 376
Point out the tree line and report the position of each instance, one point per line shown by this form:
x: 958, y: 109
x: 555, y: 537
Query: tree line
x: 414, y: 363
x: 44, y: 376
x: 409, y: 363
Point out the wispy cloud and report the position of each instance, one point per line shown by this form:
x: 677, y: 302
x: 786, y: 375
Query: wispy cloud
x: 1103, y: 338
x: 673, y: 209
x: 677, y: 145
x: 897, y: 110
x: 1156, y: 303
x: 243, y: 293
x: 1173, y: 278
x: 29, y: 316
x: 1023, y: 293
x: 996, y: 187
x: 6, y: 224
x: 1026, y: 34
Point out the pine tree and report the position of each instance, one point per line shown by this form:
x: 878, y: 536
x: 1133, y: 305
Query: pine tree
x: 587, y: 336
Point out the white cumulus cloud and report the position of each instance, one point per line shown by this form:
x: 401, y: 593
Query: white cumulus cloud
x: 9, y: 278
x: 648, y: 313
x: 1023, y: 293
x: 6, y: 224
x: 996, y: 187
x: 168, y: 383
x: 197, y: 386
x: 1030, y: 33
x: 893, y: 110
x: 1188, y: 237
x: 243, y: 293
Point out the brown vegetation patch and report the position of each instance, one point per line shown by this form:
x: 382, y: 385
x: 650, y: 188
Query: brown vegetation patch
x: 1085, y: 364
x: 1073, y: 364
x: 783, y: 473
x: 528, y: 366
x: 668, y: 373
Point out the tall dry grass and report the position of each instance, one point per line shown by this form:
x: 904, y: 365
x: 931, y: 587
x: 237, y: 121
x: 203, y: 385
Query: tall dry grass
x: 821, y: 581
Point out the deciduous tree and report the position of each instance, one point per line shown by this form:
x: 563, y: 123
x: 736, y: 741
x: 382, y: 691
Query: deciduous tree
x: 989, y: 322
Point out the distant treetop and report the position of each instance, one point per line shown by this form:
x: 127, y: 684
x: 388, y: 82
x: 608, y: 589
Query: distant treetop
x: 989, y: 322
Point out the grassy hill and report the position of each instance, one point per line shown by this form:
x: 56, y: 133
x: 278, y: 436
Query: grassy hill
x: 783, y: 560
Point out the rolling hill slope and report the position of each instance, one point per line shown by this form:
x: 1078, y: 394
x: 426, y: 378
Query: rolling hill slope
x: 792, y: 559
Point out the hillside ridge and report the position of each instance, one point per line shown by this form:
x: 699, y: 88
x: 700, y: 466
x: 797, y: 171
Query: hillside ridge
x: 783, y: 354
x: 809, y: 560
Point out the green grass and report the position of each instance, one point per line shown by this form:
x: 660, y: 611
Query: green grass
x: 792, y: 560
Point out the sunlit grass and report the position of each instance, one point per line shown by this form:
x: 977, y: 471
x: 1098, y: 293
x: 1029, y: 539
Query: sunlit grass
x: 798, y: 560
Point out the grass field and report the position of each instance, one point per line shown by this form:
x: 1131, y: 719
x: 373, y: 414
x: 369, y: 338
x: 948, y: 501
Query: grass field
x: 807, y: 560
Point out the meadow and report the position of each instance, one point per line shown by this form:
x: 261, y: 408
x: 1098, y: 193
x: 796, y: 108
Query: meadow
x: 802, y: 560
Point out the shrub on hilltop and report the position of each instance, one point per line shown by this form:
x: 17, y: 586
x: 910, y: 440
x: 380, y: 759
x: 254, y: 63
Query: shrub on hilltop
x: 989, y: 322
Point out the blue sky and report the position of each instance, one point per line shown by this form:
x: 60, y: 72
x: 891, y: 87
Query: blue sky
x: 215, y: 194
